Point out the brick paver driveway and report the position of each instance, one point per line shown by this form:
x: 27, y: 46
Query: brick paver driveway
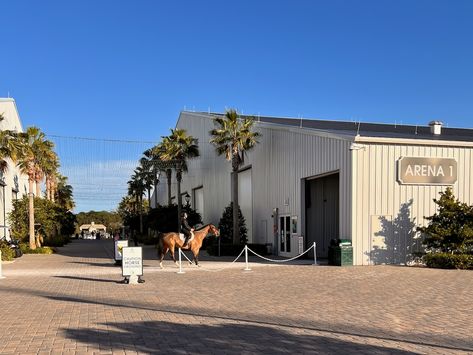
x: 71, y: 302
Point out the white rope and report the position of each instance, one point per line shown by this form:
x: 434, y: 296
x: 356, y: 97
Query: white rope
x: 279, y: 261
x: 223, y: 268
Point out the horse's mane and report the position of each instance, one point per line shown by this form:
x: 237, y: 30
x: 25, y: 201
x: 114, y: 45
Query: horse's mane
x: 205, y: 226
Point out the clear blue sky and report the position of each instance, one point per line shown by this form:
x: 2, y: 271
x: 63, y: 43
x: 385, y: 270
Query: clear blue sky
x: 124, y: 69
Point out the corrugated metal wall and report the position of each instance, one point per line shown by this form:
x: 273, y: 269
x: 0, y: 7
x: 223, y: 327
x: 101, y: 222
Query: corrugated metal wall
x: 385, y: 213
x: 283, y: 157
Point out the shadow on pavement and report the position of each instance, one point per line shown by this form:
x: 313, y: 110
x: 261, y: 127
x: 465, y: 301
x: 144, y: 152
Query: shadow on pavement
x: 276, y: 322
x: 85, y: 279
x: 166, y: 337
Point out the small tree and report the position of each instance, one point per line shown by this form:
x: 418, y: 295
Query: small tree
x: 450, y: 230
x: 226, y: 225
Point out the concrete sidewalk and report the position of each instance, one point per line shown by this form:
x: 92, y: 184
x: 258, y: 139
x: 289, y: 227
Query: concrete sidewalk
x: 70, y: 302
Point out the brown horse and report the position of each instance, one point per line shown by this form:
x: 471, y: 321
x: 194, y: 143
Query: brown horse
x: 168, y: 241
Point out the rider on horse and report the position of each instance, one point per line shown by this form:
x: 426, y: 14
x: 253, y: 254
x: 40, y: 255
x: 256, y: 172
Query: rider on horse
x: 185, y: 228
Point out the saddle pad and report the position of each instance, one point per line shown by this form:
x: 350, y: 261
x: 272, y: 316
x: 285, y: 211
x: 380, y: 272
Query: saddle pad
x: 182, y: 237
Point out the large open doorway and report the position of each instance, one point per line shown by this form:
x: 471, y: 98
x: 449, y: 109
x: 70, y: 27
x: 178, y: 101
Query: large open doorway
x: 322, y: 211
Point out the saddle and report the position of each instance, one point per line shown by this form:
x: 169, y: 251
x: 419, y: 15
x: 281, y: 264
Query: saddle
x: 182, y: 237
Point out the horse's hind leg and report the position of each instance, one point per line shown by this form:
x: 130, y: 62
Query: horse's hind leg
x: 161, y: 257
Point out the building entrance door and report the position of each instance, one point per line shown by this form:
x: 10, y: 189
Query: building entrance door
x: 322, y: 212
x: 285, y: 234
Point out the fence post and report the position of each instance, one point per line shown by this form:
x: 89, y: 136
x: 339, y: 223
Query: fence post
x: 1, y: 276
x: 247, y: 268
x: 180, y: 263
x: 315, y: 253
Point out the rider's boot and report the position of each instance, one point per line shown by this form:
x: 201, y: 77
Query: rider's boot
x: 186, y: 240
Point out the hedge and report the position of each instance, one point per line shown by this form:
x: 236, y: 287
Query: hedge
x: 449, y: 261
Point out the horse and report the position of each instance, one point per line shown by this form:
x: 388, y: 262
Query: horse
x: 168, y: 241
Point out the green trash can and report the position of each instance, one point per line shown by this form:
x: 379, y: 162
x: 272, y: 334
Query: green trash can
x: 340, y: 252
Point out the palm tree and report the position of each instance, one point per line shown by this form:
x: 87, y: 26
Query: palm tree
x: 179, y: 147
x: 10, y: 147
x: 147, y: 176
x: 31, y: 160
x: 62, y: 195
x: 160, y: 151
x: 50, y: 168
x: 136, y: 188
x: 233, y: 137
x: 153, y: 160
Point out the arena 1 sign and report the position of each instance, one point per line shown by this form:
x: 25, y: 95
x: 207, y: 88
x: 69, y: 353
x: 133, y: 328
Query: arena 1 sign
x: 427, y: 171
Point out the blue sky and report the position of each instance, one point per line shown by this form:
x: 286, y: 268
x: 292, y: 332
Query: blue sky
x: 124, y: 69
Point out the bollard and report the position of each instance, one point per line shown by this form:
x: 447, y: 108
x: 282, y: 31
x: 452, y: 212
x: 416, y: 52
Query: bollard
x: 1, y: 276
x: 180, y: 264
x: 315, y: 254
x: 247, y: 268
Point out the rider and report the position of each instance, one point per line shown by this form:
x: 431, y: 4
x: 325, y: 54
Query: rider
x: 185, y: 228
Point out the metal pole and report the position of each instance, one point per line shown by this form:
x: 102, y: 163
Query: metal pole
x: 315, y: 254
x: 1, y: 276
x: 180, y: 263
x: 247, y: 268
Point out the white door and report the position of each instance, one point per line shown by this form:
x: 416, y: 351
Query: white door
x: 245, y: 200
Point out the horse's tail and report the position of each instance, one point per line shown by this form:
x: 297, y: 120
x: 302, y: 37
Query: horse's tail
x: 160, y: 245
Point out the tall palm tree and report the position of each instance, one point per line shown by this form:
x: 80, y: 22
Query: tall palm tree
x: 160, y: 151
x: 153, y: 161
x: 136, y: 188
x: 233, y: 136
x: 179, y: 147
x: 50, y: 168
x: 30, y: 161
x: 62, y: 195
x: 10, y: 147
x: 147, y: 176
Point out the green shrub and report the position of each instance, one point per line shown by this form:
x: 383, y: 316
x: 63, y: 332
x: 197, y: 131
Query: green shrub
x: 449, y: 261
x: 25, y: 248
x: 7, y: 253
x: 225, y: 225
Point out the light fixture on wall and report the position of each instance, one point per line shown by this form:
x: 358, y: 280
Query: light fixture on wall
x: 187, y: 197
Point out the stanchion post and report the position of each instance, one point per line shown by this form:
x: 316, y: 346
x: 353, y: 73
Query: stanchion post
x: 247, y: 268
x: 315, y: 253
x: 180, y: 264
x: 1, y: 275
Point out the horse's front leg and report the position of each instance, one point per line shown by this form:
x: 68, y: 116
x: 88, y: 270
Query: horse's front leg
x: 196, y: 259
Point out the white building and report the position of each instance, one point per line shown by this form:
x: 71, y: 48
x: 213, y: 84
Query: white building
x: 370, y: 183
x: 13, y: 185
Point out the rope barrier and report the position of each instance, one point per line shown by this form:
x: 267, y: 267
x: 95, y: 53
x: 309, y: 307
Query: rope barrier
x: 247, y: 268
x: 281, y: 261
x: 220, y: 269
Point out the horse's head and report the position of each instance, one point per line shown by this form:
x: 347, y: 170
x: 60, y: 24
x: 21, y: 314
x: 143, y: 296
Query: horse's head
x: 214, y: 230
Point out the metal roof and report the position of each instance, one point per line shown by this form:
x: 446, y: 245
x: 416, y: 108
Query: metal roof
x: 368, y: 129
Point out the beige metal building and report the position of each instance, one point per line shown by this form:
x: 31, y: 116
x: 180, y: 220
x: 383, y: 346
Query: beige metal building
x: 313, y: 180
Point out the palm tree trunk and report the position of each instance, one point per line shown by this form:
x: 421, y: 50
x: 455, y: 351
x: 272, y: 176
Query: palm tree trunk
x: 149, y: 198
x: 38, y: 189
x: 236, y: 226
x: 168, y: 177
x: 141, y: 214
x: 155, y: 192
x: 31, y: 214
x: 179, y: 202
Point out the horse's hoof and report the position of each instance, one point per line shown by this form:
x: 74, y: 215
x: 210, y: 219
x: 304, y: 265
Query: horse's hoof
x: 198, y: 265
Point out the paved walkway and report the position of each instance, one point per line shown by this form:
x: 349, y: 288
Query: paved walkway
x: 71, y: 302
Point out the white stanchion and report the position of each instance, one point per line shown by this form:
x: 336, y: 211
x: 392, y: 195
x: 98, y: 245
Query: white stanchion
x: 247, y: 268
x: 1, y: 275
x: 180, y: 264
x: 315, y: 253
